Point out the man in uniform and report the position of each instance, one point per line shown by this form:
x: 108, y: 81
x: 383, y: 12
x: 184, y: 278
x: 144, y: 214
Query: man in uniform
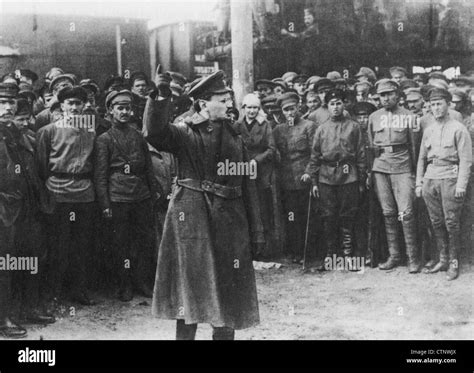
x: 65, y: 165
x: 204, y: 271
x: 293, y: 140
x: 126, y: 187
x: 394, y: 138
x: 446, y: 153
x: 338, y: 170
x: 321, y: 115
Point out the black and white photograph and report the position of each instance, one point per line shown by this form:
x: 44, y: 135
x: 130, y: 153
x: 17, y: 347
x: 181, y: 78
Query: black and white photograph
x: 246, y: 170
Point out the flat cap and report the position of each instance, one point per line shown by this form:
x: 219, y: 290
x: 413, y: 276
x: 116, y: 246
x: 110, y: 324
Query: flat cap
x: 118, y: 97
x: 408, y: 83
x: 440, y: 93
x: 212, y: 84
x: 138, y: 75
x: 361, y: 108
x: 72, y: 92
x: 178, y: 78
x: 366, y: 85
x: 289, y: 76
x: 53, y: 72
x: 335, y: 76
x: 10, y: 78
x: 368, y: 72
x: 280, y: 83
x: 312, y: 80
x: 26, y: 90
x: 413, y: 94
x: 302, y: 78
x: 114, y: 82
x: 437, y: 75
x: 265, y: 82
x: 287, y: 99
x: 439, y: 83
x: 90, y: 84
x: 323, y: 83
x: 464, y: 79
x: 458, y: 94
x: 400, y: 69
x: 8, y: 90
x: 335, y: 94
x: 60, y: 77
x: 386, y: 85
x: 269, y: 100
x: 28, y: 74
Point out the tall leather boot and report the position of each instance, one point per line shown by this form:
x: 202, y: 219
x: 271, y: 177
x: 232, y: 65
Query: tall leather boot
x: 347, y: 243
x: 391, y: 230
x: 455, y: 240
x: 330, y: 235
x: 185, y: 332
x: 442, y: 245
x: 223, y: 333
x: 411, y: 243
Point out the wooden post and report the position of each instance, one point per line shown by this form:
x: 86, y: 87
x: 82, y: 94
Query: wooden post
x: 118, y: 44
x: 242, y: 48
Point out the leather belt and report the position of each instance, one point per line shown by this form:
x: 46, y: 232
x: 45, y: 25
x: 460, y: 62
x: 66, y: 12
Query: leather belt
x: 441, y: 162
x: 66, y: 175
x: 392, y: 148
x: 219, y: 190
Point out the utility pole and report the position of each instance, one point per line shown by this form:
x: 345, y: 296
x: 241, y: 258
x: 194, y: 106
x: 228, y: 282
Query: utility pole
x: 242, y: 48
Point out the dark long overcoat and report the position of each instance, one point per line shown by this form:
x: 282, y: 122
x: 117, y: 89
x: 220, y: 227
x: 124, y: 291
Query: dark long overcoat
x: 204, y: 270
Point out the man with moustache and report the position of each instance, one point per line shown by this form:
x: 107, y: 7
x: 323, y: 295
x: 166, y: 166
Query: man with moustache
x: 443, y: 171
x: 126, y: 189
x: 204, y: 270
x: 338, y: 170
x: 65, y: 164
x: 394, y: 141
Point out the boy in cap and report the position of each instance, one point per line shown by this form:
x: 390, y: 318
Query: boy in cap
x: 65, y: 164
x: 443, y: 171
x: 338, y: 170
x: 293, y: 141
x: 204, y: 270
x: 393, y: 137
x: 126, y: 188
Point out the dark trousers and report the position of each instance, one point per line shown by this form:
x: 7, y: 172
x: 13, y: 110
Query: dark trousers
x: 133, y: 235
x: 265, y: 201
x: 6, y: 247
x: 72, y: 225
x: 295, y: 207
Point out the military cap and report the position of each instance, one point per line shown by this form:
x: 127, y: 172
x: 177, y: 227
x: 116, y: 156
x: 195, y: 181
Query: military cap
x: 300, y: 78
x: 52, y: 73
x: 269, y: 100
x: 440, y: 93
x: 287, y: 99
x: 138, y: 75
x: 10, y: 78
x: 408, y: 83
x: 23, y: 107
x: 425, y: 91
x: 400, y: 69
x: 26, y: 90
x: 212, y: 84
x: 413, y: 94
x: 323, y: 83
x: 368, y: 85
x: 334, y: 93
x: 8, y: 90
x: 335, y: 76
x: 289, y: 76
x: 178, y: 78
x: 114, y: 82
x: 118, y: 97
x: 28, y: 74
x: 369, y: 73
x: 458, y: 95
x: 72, y: 92
x: 361, y: 108
x: 90, y: 84
x: 310, y: 92
x: 439, y: 83
x: 464, y: 79
x: 60, y: 77
x: 250, y: 99
x: 386, y: 85
x: 437, y: 75
x: 265, y: 82
x: 191, y: 85
x: 312, y: 80
x: 281, y: 83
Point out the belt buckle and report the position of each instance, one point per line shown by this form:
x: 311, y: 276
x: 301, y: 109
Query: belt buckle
x: 389, y: 149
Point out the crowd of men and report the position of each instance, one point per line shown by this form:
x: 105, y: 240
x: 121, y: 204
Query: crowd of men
x: 120, y: 185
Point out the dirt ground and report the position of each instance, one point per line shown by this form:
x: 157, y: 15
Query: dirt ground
x: 293, y: 305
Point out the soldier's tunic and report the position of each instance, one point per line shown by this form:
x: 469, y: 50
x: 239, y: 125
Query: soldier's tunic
x: 337, y: 166
x: 446, y: 152
x: 294, y: 147
x: 204, y: 271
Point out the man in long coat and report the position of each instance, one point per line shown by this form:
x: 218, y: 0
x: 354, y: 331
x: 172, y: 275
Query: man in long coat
x: 204, y: 270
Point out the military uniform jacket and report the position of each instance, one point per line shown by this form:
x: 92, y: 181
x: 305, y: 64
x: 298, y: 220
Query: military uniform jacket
x: 338, y: 154
x: 204, y: 271
x: 294, y: 147
x: 446, y: 152
x: 399, y: 128
x: 321, y: 115
x: 261, y: 147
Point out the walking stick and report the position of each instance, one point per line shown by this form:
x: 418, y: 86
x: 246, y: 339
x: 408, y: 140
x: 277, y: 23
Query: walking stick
x: 307, y: 233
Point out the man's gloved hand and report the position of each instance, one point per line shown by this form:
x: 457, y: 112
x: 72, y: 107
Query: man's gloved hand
x: 162, y: 82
